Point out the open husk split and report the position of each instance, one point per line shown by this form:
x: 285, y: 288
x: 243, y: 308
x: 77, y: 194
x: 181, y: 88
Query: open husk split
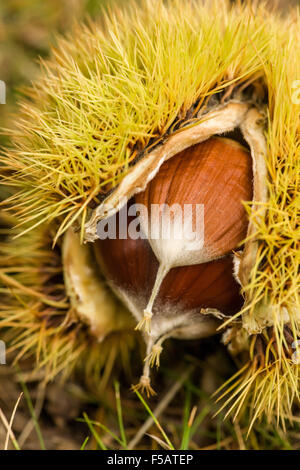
x: 222, y: 119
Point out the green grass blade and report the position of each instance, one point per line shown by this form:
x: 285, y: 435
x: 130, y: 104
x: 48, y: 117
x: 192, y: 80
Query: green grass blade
x: 186, y: 428
x: 102, y: 426
x: 94, y: 432
x: 155, y: 420
x: 86, y: 440
x: 32, y: 412
x: 120, y: 416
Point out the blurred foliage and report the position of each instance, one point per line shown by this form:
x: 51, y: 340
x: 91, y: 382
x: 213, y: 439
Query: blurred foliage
x: 27, y: 30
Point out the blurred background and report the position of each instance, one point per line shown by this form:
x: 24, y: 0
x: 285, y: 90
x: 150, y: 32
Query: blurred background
x: 27, y: 31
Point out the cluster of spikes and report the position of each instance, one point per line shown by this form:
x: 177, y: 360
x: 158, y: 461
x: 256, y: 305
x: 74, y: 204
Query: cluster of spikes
x: 39, y: 320
x: 109, y: 98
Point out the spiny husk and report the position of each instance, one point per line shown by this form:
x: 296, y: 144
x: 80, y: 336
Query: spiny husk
x: 106, y: 94
x: 39, y: 316
x: 109, y: 95
x: 267, y: 384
